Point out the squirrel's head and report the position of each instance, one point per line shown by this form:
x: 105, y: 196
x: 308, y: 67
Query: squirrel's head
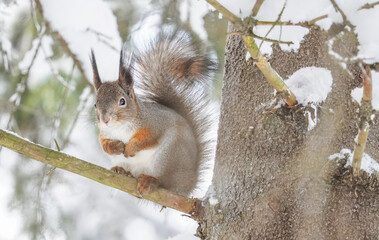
x: 116, y: 101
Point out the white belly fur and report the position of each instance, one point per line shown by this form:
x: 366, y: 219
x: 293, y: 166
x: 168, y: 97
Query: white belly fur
x: 142, y: 162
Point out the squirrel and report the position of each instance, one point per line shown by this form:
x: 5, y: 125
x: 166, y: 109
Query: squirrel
x: 159, y: 135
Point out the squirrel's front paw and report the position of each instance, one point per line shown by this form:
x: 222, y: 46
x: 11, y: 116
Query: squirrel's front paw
x: 113, y: 146
x: 129, y: 151
x: 147, y: 184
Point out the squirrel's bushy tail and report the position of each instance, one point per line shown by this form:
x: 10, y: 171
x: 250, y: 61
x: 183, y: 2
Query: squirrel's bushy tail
x: 174, y: 73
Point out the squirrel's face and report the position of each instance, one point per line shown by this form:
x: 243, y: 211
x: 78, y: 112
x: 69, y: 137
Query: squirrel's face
x: 114, y: 105
x: 116, y: 102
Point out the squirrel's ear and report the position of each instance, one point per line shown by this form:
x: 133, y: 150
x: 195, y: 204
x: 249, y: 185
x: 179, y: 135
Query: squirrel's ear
x: 96, y: 77
x: 125, y: 79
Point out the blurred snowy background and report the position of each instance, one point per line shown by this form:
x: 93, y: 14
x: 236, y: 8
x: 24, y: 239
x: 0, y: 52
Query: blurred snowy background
x: 46, y: 94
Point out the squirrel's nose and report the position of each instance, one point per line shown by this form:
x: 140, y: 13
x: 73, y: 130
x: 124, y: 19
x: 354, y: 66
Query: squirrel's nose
x: 106, y: 120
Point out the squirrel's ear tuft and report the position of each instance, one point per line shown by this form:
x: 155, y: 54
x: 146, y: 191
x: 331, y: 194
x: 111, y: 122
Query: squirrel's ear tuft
x: 96, y: 77
x: 125, y: 79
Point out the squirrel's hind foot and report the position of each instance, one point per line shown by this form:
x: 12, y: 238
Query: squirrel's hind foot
x: 147, y: 184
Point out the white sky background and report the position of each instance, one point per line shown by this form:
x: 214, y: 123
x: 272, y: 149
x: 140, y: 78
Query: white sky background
x: 100, y: 210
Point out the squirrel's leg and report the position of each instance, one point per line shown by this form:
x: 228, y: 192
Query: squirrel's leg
x: 121, y: 170
x: 143, y: 139
x: 147, y: 184
x: 112, y: 146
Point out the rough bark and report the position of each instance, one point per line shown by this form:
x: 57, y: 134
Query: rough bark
x: 272, y: 176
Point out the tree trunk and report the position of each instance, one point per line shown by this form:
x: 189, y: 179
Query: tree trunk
x: 272, y: 176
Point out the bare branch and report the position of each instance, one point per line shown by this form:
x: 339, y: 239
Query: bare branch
x: 257, y: 6
x: 225, y: 12
x: 270, y: 74
x: 365, y: 111
x: 272, y: 40
x: 344, y: 18
x: 127, y: 184
x: 306, y: 24
x: 272, y: 27
x: 369, y: 5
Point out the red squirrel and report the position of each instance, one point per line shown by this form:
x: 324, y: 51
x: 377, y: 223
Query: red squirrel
x: 158, y: 136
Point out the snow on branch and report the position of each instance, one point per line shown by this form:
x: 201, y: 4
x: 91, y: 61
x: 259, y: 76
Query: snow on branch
x: 127, y: 184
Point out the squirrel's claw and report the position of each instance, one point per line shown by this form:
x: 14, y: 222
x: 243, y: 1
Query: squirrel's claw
x: 121, y: 170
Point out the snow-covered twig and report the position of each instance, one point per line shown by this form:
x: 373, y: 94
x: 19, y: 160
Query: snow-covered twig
x: 61, y: 160
x: 365, y: 112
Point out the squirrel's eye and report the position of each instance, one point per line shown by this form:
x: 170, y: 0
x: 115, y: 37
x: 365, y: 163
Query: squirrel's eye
x: 94, y: 105
x: 122, y: 101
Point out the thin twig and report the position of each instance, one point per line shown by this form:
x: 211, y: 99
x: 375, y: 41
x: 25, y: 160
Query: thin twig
x: 103, y: 38
x: 270, y: 74
x: 306, y: 24
x: 21, y: 87
x: 225, y: 12
x: 259, y: 37
x: 56, y: 73
x: 369, y: 5
x: 272, y: 40
x: 344, y: 18
x: 257, y: 6
x: 272, y: 27
x: 365, y: 111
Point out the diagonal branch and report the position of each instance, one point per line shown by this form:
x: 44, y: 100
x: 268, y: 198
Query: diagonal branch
x: 127, y: 184
x: 270, y: 74
x: 225, y: 12
x: 344, y: 18
x: 257, y: 6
